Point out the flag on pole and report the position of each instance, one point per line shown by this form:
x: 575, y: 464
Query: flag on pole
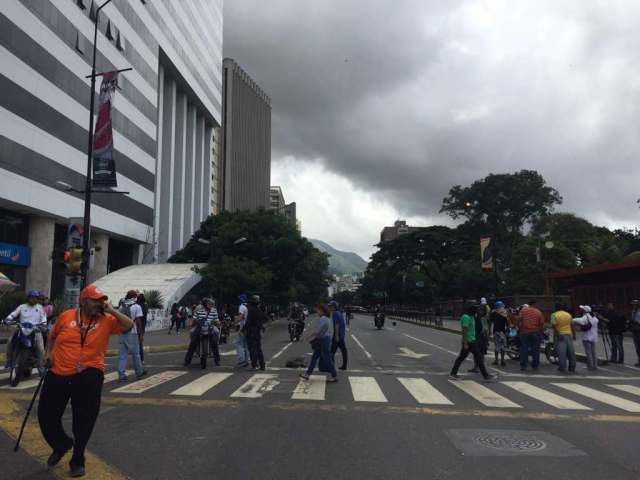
x: 104, y: 165
x: 486, y: 253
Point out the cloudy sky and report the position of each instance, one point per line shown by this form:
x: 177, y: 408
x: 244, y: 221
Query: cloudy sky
x: 380, y: 106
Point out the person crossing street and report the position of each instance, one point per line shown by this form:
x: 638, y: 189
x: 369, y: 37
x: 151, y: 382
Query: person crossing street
x: 253, y: 330
x: 469, y: 345
x: 75, y: 356
x: 337, y: 341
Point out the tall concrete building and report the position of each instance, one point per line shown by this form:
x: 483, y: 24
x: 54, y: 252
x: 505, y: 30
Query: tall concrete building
x: 276, y: 199
x: 165, y: 117
x: 246, y: 148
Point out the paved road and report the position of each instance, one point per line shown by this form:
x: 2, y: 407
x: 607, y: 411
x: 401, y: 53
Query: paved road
x: 393, y: 414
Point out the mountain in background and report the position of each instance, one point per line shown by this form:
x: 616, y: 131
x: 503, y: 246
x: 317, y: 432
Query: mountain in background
x: 341, y: 263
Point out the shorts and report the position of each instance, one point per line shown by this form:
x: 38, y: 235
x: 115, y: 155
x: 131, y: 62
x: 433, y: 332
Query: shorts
x: 500, y: 340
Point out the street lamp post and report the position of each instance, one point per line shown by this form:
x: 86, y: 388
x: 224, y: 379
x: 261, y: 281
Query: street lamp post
x: 86, y: 229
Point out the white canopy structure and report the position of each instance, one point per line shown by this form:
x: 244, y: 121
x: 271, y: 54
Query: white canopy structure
x: 173, y: 280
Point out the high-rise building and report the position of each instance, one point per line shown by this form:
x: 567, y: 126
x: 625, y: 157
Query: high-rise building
x: 276, y: 200
x: 246, y: 147
x: 399, y: 228
x: 165, y: 117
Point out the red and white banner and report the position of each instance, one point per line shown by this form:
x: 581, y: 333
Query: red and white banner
x: 104, y: 165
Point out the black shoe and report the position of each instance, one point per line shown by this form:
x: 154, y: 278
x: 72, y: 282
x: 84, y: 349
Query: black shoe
x: 55, y: 458
x: 503, y: 363
x: 217, y: 364
x: 473, y: 370
x: 144, y: 373
x: 76, y: 470
x: 263, y: 368
x: 343, y: 368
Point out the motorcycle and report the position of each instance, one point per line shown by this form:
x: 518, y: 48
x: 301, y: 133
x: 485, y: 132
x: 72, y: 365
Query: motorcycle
x: 225, y: 328
x: 296, y: 328
x: 549, y: 348
x: 24, y: 356
x: 378, y: 320
x: 207, y: 330
x: 513, y: 344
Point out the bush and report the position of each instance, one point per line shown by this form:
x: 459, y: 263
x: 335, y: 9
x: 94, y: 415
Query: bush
x: 154, y: 298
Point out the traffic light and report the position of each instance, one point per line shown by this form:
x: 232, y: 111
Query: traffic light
x: 73, y: 260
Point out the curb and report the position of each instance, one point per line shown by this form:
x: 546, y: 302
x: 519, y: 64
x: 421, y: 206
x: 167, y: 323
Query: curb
x: 581, y: 357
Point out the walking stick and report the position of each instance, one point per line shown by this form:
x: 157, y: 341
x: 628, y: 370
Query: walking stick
x: 26, y: 417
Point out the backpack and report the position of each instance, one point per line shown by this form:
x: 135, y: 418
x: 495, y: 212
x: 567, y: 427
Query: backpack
x: 587, y: 327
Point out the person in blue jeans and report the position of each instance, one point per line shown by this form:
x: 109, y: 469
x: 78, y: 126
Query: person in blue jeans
x: 320, y: 338
x: 338, y: 333
x: 129, y: 343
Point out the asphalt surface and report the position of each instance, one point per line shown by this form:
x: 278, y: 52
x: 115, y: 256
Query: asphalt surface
x: 369, y: 425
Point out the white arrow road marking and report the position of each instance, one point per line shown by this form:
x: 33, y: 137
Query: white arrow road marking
x: 407, y: 352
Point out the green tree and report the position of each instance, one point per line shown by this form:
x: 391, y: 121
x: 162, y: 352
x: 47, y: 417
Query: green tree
x: 259, y: 252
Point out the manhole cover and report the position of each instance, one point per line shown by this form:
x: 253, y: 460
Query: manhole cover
x: 511, y: 443
x: 507, y: 443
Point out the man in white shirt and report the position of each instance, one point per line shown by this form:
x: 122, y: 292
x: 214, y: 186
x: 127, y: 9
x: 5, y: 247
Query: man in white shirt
x: 242, y: 349
x: 129, y: 343
x: 31, y: 312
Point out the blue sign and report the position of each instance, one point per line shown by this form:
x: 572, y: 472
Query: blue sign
x: 17, y: 255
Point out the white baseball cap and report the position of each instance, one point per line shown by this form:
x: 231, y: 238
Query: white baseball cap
x: 586, y: 308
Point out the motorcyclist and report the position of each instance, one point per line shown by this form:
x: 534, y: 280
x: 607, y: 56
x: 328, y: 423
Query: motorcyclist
x: 296, y: 315
x: 31, y: 312
x: 205, y: 315
x: 379, y: 311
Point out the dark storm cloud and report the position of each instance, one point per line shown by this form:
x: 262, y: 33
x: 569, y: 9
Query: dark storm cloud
x: 409, y: 98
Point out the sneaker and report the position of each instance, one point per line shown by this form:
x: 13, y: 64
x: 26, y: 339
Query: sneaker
x: 454, y: 377
x: 122, y: 379
x: 55, y: 458
x: 242, y: 364
x: 144, y: 372
x: 332, y: 380
x: 473, y: 370
x: 262, y: 368
x: 304, y: 376
x: 491, y: 378
x: 76, y: 470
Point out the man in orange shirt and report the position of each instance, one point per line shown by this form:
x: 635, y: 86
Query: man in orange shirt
x: 75, y: 357
x: 530, y: 327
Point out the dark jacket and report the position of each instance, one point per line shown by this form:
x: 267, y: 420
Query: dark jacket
x: 255, y: 320
x: 617, y: 323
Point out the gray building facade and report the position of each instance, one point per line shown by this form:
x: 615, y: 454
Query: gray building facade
x: 246, y: 147
x: 165, y: 117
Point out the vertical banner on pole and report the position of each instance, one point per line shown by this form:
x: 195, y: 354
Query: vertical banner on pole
x: 104, y: 165
x: 486, y: 253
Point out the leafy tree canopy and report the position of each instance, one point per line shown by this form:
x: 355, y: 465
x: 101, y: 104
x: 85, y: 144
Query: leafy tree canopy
x: 257, y: 252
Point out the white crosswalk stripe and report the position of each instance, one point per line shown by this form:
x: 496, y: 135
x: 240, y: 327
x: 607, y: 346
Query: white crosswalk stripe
x: 257, y: 386
x: 23, y: 385
x: 627, y: 388
x: 424, y: 392
x: 485, y: 396
x: 366, y: 389
x: 113, y: 376
x: 201, y: 385
x: 312, y: 389
x: 545, y: 396
x: 150, y: 382
x: 607, y: 398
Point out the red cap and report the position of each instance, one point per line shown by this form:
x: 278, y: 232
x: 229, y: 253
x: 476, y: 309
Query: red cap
x: 93, y: 293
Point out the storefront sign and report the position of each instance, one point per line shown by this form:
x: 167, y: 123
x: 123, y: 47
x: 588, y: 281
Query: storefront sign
x: 17, y: 255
